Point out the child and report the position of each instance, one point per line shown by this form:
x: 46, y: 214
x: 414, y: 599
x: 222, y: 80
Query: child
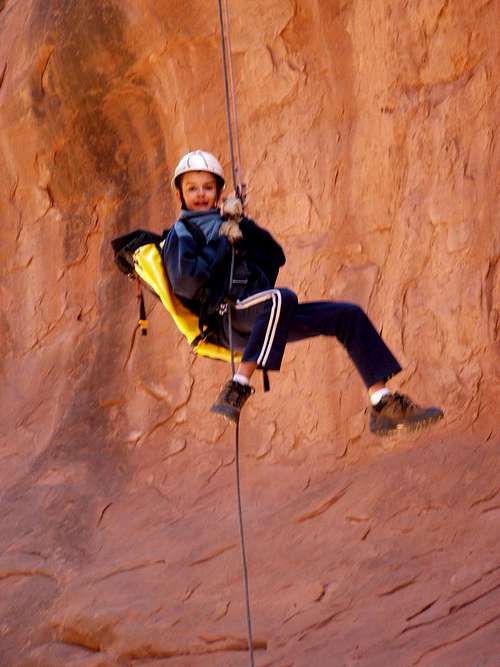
x: 197, y: 256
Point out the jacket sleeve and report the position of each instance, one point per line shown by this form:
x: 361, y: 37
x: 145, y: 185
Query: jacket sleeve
x: 188, y: 266
x: 262, y: 248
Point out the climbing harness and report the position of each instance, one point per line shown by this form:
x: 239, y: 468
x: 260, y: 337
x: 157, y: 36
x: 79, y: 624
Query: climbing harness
x: 240, y: 190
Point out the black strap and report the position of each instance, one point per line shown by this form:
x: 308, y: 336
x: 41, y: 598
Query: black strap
x: 265, y: 380
x: 125, y: 246
x: 143, y: 320
x: 195, y: 231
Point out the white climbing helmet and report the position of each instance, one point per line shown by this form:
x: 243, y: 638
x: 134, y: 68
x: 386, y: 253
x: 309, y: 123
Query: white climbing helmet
x: 198, y: 161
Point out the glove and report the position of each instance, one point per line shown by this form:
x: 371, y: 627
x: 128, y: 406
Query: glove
x: 232, y: 209
x: 232, y: 230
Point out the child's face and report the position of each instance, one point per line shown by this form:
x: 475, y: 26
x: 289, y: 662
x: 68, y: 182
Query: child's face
x: 199, y: 189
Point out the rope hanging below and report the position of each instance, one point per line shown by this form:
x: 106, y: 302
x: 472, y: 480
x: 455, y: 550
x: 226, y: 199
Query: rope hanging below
x: 239, y: 189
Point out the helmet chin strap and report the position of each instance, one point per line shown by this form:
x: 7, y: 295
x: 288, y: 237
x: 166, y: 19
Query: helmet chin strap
x: 183, y: 202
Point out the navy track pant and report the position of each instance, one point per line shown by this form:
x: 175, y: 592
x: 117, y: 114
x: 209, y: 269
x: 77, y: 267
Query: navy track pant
x: 265, y: 322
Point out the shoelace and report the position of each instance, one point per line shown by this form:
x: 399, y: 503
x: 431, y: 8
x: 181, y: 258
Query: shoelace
x: 405, y: 403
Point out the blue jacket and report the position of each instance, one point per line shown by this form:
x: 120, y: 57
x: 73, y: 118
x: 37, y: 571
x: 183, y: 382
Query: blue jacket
x: 198, y: 262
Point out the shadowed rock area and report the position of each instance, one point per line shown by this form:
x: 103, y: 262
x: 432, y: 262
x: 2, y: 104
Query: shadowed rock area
x: 370, y: 141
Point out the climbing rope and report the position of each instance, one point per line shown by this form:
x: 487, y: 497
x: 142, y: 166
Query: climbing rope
x: 230, y: 97
x: 238, y: 489
x: 239, y: 189
x: 242, y: 546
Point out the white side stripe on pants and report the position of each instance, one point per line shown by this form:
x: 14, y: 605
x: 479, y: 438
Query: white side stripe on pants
x: 274, y: 317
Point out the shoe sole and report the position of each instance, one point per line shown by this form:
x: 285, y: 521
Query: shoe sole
x: 226, y: 412
x: 410, y: 427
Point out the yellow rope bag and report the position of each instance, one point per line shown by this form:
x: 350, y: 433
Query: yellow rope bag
x: 149, y: 267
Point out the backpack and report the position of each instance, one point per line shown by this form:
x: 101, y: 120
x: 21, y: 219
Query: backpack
x: 138, y: 255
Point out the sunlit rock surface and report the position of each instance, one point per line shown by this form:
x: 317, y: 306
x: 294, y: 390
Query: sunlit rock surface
x: 369, y: 135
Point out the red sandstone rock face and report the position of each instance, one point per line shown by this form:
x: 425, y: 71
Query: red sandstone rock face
x: 370, y: 140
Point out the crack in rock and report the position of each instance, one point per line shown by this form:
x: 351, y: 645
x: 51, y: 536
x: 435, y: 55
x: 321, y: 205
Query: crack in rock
x: 493, y: 508
x: 101, y: 516
x: 211, y: 645
x: 8, y: 574
x: 2, y: 75
x: 454, y: 609
x: 444, y: 645
x: 189, y: 592
x: 485, y: 499
x: 321, y: 624
x: 214, y: 554
x: 321, y: 509
x: 422, y: 610
x: 399, y: 587
x: 458, y: 607
x: 475, y: 582
x: 131, y: 568
x: 87, y: 646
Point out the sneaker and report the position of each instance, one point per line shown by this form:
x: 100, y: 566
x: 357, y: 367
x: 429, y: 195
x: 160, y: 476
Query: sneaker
x: 397, y: 412
x: 231, y: 399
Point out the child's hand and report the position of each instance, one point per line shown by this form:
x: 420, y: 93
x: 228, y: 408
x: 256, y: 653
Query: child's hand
x: 232, y: 230
x: 232, y: 209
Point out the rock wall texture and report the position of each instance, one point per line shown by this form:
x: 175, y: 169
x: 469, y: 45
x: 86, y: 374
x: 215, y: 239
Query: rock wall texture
x: 370, y: 142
